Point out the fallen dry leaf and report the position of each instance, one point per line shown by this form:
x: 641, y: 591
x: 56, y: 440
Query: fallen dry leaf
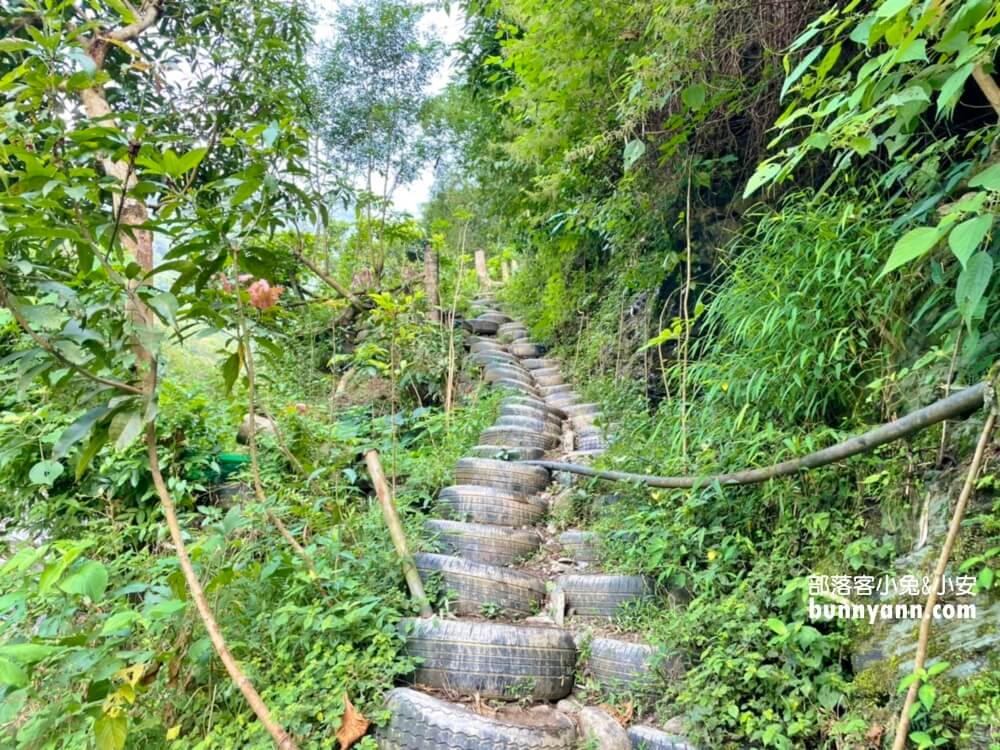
x: 353, y: 725
x: 874, y: 735
x: 623, y: 716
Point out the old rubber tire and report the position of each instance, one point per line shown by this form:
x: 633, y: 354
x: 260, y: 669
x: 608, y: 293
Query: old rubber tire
x: 516, y: 386
x: 421, y: 722
x: 554, y: 390
x: 491, y: 660
x: 497, y: 317
x: 552, y: 428
x: 602, y: 595
x: 590, y: 439
x: 538, y: 363
x: 490, y: 505
x: 537, y: 405
x: 648, y: 738
x: 548, y: 381
x: 581, y: 546
x: 523, y: 480
x: 494, y: 372
x: 486, y: 345
x: 623, y: 667
x: 473, y: 586
x: 526, y: 350
x: 580, y: 410
x: 530, y: 412
x: 481, y: 325
x: 519, y: 436
x: 506, y: 452
x: 485, y: 543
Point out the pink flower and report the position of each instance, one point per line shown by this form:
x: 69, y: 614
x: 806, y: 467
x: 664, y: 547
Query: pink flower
x: 263, y: 295
x: 302, y: 409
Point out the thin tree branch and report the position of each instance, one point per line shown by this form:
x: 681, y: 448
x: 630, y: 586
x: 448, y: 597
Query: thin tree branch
x: 6, y: 301
x: 343, y: 291
x: 988, y: 86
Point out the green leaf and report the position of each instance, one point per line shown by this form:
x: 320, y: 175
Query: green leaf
x: 231, y: 371
x: 78, y: 430
x: 971, y: 286
x: 952, y: 88
x: 911, y: 245
x: 244, y: 191
x: 125, y: 428
x: 891, y: 7
x: 165, y: 304
x: 28, y: 653
x: 110, y: 732
x: 989, y: 178
x: 633, y: 152
x: 926, y: 694
x: 937, y: 668
x: 118, y: 622
x: 270, y: 135
x: 96, y: 442
x: 15, y: 45
x: 12, y: 675
x: 166, y: 608
x: 765, y: 172
x: 89, y: 580
x: 922, y: 739
x: 777, y: 626
x: 967, y: 237
x: 799, y: 70
x: 191, y: 159
x: 694, y: 96
x: 45, y: 472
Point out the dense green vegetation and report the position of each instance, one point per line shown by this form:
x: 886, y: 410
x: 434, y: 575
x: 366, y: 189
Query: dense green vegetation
x: 750, y: 230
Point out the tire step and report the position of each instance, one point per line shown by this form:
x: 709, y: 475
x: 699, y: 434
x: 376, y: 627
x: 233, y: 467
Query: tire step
x: 507, y: 452
x: 602, y: 595
x: 523, y: 480
x: 492, y: 660
x: 625, y: 667
x: 475, y: 587
x: 649, y: 738
x: 485, y: 543
x: 420, y: 722
x: 489, y: 505
x: 582, y: 546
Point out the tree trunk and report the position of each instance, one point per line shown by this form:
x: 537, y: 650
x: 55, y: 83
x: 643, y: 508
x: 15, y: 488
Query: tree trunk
x: 431, y: 281
x: 482, y: 273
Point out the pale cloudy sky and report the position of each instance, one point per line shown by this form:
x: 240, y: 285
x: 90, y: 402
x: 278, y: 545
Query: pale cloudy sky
x: 447, y: 28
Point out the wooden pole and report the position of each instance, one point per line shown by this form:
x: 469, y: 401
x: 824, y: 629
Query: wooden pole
x: 385, y: 499
x: 482, y: 273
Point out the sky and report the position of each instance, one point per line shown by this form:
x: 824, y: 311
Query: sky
x: 448, y: 28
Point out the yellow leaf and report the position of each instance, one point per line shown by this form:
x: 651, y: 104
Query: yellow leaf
x: 174, y: 732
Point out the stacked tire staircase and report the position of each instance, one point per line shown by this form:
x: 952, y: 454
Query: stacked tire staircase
x: 496, y: 667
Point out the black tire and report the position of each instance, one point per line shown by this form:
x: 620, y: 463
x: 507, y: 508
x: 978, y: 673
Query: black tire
x: 526, y: 350
x: 552, y: 389
x: 602, y: 595
x: 648, y: 738
x: 497, y: 317
x: 562, y: 400
x: 491, y: 359
x: 590, y: 439
x: 517, y: 436
x: 517, y: 386
x: 490, y: 505
x: 421, y: 722
x: 509, y: 662
x: 485, y: 543
x: 549, y: 381
x: 506, y: 452
x: 481, y: 326
x: 582, y: 546
x: 580, y: 410
x: 523, y: 480
x: 538, y: 363
x: 472, y: 586
x: 487, y: 345
x: 623, y: 667
x: 495, y: 372
x: 528, y: 402
x: 516, y: 411
x: 538, y: 424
